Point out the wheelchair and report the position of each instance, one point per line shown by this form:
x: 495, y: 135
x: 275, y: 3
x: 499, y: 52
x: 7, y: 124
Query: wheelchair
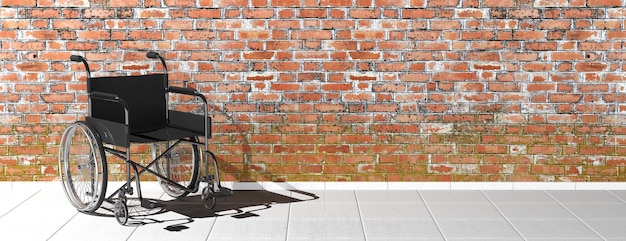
x: 125, y: 110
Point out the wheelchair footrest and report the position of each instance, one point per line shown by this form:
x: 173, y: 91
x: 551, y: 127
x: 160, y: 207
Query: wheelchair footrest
x: 149, y: 204
x: 226, y: 192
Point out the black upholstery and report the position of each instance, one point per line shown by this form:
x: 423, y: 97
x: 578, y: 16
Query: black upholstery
x: 144, y: 94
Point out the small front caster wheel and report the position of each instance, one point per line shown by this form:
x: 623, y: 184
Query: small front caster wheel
x: 208, y: 197
x: 121, y: 212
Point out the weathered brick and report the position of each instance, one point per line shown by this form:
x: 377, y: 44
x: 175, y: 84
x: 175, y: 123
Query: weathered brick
x: 482, y: 90
x: 551, y: 3
x: 604, y: 3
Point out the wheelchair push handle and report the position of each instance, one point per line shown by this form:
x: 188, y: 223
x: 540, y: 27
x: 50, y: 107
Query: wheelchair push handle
x: 78, y: 58
x: 152, y: 55
x: 155, y: 55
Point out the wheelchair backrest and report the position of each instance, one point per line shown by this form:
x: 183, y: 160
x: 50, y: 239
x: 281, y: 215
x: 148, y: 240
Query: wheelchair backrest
x: 144, y: 94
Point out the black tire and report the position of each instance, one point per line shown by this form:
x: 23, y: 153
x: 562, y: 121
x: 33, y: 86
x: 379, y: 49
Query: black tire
x: 82, y: 167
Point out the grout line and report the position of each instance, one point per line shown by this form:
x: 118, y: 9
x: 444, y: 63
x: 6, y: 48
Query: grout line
x: 20, y: 204
x: 573, y: 214
x: 212, y: 226
x: 356, y: 197
x: 615, y: 195
x: 288, y: 217
x: 59, y: 229
x: 501, y: 213
x: 432, y: 216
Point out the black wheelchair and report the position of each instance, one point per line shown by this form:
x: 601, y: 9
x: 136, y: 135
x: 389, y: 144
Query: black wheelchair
x: 125, y: 110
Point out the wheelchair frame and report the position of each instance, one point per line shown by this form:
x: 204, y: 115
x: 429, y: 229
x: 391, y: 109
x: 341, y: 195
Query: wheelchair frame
x: 116, y: 127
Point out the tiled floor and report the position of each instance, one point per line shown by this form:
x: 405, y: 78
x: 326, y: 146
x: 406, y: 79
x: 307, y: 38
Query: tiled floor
x: 40, y: 211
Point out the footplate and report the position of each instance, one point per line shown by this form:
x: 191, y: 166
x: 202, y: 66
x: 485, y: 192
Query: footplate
x: 149, y: 204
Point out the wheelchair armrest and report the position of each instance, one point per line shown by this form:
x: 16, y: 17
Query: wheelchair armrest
x: 111, y: 98
x: 193, y: 92
x: 105, y: 96
x: 188, y: 91
x: 179, y: 90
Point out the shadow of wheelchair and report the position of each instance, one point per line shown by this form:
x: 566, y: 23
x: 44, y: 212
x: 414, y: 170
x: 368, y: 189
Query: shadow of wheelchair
x: 243, y: 204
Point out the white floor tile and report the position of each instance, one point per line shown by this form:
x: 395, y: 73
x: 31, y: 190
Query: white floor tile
x: 89, y: 227
x: 610, y: 229
x: 521, y: 196
x: 593, y: 196
x: 250, y: 228
x: 325, y: 229
x: 551, y: 229
x: 620, y: 194
x: 325, y: 239
x: 394, y: 211
x: 534, y: 211
x: 406, y: 239
x: 401, y: 229
x: 392, y: 196
x: 40, y: 211
x: 324, y: 211
x: 464, y: 211
x: 598, y: 210
x: 39, y: 217
x: 326, y: 196
x: 11, y: 199
x: 241, y: 239
x: 483, y: 239
x: 170, y: 225
x: 478, y: 229
x: 473, y: 196
x: 566, y: 239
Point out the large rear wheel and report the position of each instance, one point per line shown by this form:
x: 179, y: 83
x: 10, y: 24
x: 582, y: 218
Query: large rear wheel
x: 82, y: 167
x: 180, y: 165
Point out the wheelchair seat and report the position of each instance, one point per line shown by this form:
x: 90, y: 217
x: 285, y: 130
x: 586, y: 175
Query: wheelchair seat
x: 149, y: 119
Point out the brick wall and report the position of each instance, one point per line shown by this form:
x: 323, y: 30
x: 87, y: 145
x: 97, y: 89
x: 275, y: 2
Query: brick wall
x: 327, y: 90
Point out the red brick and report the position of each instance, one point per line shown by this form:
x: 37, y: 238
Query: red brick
x: 32, y: 66
x: 285, y: 3
x: 124, y: 3
x: 498, y: 3
x: 231, y: 3
x: 418, y: 13
x: 19, y: 3
x: 362, y: 13
x: 590, y: 67
x: 336, y: 3
x: 443, y: 3
x: 258, y: 13
x: 181, y: 3
x: 470, y: 13
x: 547, y: 170
x: 604, y: 3
x: 551, y: 3
x: 391, y: 3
